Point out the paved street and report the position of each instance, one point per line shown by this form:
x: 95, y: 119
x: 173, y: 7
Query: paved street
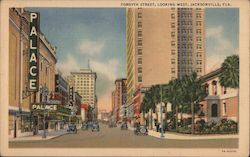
x: 116, y: 138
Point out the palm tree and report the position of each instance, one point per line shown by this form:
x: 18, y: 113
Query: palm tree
x: 194, y: 92
x: 174, y: 96
x: 229, y: 77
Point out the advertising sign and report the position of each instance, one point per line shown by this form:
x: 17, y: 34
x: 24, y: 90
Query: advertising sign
x: 33, y: 52
x: 71, y: 95
x: 49, y: 107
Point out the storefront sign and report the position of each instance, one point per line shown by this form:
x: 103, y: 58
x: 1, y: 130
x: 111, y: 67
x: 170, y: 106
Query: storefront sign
x: 44, y: 107
x: 33, y: 52
x: 71, y: 96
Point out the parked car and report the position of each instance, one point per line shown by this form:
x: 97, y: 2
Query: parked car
x: 72, y: 128
x: 141, y: 130
x: 124, y: 126
x: 95, y: 127
x: 112, y: 125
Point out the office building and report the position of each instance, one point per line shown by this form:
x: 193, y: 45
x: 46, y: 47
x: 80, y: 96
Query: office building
x: 162, y: 44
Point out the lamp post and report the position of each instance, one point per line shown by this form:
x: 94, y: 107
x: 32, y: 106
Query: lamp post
x: 161, y: 114
x: 44, y: 91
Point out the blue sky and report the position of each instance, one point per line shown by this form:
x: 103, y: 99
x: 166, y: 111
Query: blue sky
x: 99, y: 34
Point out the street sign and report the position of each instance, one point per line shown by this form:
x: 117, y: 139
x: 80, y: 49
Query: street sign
x: 33, y: 52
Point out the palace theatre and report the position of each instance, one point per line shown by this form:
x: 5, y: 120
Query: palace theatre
x: 27, y: 71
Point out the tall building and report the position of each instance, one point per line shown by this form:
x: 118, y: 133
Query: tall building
x: 120, y: 97
x: 61, y: 89
x: 84, y: 82
x: 20, y: 98
x: 162, y: 44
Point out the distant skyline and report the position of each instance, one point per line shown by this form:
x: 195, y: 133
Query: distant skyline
x: 99, y: 34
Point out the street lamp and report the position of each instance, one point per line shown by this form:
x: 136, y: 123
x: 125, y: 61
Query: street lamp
x: 44, y: 91
x: 161, y: 114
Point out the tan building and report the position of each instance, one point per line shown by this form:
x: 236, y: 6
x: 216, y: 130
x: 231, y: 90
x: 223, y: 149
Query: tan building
x: 162, y: 44
x: 84, y: 82
x: 221, y: 102
x: 20, y: 99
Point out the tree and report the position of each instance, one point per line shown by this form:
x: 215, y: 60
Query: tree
x: 194, y: 92
x: 175, y: 96
x: 229, y: 77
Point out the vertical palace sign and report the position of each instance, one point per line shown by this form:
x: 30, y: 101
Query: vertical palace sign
x: 33, y: 52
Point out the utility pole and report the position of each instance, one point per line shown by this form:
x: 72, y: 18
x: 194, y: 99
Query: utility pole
x: 161, y: 114
x: 44, y: 92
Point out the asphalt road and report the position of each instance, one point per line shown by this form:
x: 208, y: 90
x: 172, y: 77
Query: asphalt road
x: 117, y: 138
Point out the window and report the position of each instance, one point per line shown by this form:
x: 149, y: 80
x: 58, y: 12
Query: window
x: 173, y: 70
x: 172, y: 52
x: 198, y: 39
x: 172, y: 34
x: 139, y: 78
x: 139, y: 60
x: 198, y: 31
x: 139, y: 51
x: 198, y: 15
x: 139, y: 15
x: 172, y: 43
x: 225, y: 108
x: 139, y: 42
x: 172, y: 16
x: 198, y: 23
x: 139, y: 24
x: 214, y: 83
x: 139, y: 33
x: 198, y: 46
x: 225, y: 90
x: 140, y: 70
x: 41, y: 66
x: 172, y: 61
x: 172, y: 25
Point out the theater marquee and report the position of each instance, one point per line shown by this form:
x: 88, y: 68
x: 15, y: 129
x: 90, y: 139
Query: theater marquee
x: 33, y: 52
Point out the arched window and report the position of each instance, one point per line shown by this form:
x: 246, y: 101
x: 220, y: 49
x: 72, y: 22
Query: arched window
x: 214, y: 110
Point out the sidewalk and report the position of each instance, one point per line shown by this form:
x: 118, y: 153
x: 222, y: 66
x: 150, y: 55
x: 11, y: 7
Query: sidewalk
x: 50, y: 135
x: 178, y: 136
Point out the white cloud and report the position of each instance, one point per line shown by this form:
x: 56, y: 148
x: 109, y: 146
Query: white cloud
x: 109, y: 68
x: 91, y: 47
x: 221, y: 48
x: 214, y: 31
x: 68, y: 66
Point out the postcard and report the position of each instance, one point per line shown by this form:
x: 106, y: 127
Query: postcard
x: 124, y: 78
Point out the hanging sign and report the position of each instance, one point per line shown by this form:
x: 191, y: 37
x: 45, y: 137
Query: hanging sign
x: 33, y: 52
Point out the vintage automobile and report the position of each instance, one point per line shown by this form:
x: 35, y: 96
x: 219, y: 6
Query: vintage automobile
x: 112, y: 125
x: 141, y: 130
x: 72, y: 128
x: 95, y: 127
x: 124, y: 126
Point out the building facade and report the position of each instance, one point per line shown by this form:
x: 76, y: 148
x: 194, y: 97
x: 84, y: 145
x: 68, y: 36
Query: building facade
x: 221, y: 102
x: 120, y: 98
x: 162, y: 44
x: 20, y: 99
x: 84, y: 82
x: 61, y: 89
